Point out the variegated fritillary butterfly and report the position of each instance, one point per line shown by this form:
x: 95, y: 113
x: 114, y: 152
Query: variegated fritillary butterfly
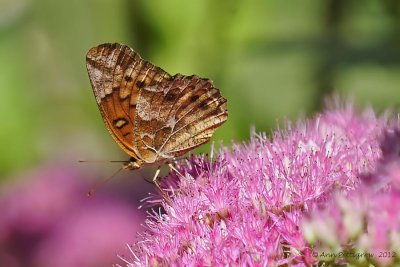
x: 152, y: 115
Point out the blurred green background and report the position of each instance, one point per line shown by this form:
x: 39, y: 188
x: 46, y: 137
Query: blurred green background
x: 271, y: 60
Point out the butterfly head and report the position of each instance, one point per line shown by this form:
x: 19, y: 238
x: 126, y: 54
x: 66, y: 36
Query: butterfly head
x: 132, y: 164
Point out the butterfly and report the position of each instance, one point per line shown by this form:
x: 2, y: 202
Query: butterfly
x: 152, y: 115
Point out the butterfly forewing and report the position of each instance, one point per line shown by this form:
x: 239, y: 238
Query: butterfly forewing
x: 117, y: 74
x: 153, y: 116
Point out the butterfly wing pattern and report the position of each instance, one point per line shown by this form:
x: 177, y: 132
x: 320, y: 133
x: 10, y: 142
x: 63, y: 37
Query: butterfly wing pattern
x: 152, y: 115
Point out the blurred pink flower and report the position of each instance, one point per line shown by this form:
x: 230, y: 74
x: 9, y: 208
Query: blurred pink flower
x: 245, y: 206
x: 367, y: 221
x: 47, y: 220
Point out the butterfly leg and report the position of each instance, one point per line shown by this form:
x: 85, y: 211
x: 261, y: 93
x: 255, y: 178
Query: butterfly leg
x: 156, y: 176
x: 163, y: 192
x: 171, y: 166
x: 155, y: 180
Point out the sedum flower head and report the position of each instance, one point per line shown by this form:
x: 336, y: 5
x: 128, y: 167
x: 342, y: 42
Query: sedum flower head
x: 246, y: 206
x: 366, y: 221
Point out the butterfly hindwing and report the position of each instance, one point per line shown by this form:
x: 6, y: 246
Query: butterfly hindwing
x: 177, y: 117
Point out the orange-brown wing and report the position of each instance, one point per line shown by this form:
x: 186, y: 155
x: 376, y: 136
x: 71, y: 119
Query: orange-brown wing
x: 176, y: 117
x: 117, y: 75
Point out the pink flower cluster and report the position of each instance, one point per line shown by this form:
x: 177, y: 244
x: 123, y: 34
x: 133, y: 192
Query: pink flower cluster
x: 363, y: 227
x: 251, y: 205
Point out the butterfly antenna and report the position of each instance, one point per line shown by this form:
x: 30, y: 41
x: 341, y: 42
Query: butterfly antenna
x: 102, y: 182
